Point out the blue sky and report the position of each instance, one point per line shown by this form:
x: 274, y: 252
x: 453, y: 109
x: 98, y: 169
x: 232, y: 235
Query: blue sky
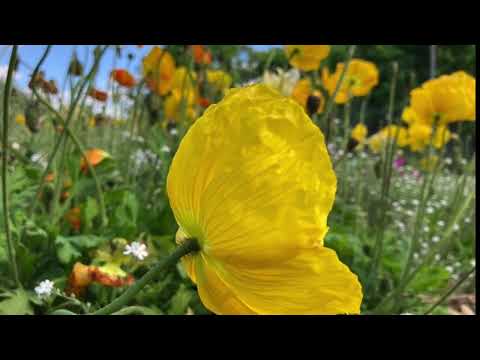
x: 57, y: 61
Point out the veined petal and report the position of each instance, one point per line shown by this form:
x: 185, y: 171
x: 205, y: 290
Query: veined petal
x: 252, y: 179
x: 314, y: 282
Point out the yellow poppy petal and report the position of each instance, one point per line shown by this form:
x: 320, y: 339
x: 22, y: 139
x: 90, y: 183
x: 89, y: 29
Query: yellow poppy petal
x: 314, y: 282
x: 214, y: 293
x: 252, y: 179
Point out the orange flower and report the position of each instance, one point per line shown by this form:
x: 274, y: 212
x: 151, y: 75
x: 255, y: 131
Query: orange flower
x: 83, y: 275
x: 201, y: 55
x: 50, y: 177
x: 123, y: 77
x: 159, y: 70
x: 94, y: 157
x: 203, y: 102
x: 73, y: 217
x: 79, y: 279
x: 98, y: 95
x: 105, y: 278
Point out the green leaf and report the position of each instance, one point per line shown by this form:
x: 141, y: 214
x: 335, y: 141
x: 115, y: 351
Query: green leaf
x: 430, y: 279
x: 71, y: 248
x: 139, y: 310
x: 89, y: 212
x: 17, y: 303
x: 179, y: 303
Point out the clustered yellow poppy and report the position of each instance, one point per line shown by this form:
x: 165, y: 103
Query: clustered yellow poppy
x: 441, y: 101
x: 306, y: 57
x: 360, y: 78
x: 434, y: 105
x: 252, y: 181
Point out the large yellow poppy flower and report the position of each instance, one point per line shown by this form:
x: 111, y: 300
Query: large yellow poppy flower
x: 307, y: 57
x: 361, y: 77
x: 252, y: 181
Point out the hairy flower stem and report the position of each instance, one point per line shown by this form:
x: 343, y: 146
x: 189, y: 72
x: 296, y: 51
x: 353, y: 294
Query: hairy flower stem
x: 450, y: 292
x: 190, y: 245
x: 331, y: 100
x: 5, y: 148
x: 69, y: 132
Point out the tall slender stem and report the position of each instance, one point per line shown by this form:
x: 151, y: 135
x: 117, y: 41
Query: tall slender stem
x: 6, y: 213
x: 450, y: 292
x: 331, y: 100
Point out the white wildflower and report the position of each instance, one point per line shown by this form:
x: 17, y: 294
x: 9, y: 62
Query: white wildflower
x: 430, y: 210
x: 436, y: 239
x: 137, y: 250
x: 441, y: 223
x: 165, y: 149
x: 44, y: 288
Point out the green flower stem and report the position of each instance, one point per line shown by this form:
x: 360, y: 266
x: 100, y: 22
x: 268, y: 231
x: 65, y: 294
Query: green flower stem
x: 386, y: 180
x: 5, y: 148
x: 431, y: 256
x: 419, y: 215
x: 331, y: 100
x: 450, y: 292
x: 346, y: 122
x: 190, y: 245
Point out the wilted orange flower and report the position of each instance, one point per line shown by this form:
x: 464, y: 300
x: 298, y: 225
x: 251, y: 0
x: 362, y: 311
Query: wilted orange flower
x: 79, y: 279
x: 50, y: 177
x: 123, y: 77
x: 201, y: 55
x: 104, y: 276
x: 159, y: 70
x: 73, y: 218
x: 83, y: 275
x: 50, y: 87
x: 94, y: 157
x: 98, y: 95
x: 203, y: 102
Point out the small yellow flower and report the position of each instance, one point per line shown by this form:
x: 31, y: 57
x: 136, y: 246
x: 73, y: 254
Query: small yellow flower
x: 20, y: 119
x: 359, y: 132
x: 446, y: 99
x: 306, y: 57
x: 219, y: 79
x: 399, y: 134
x: 361, y: 77
x: 252, y: 181
x: 159, y: 70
